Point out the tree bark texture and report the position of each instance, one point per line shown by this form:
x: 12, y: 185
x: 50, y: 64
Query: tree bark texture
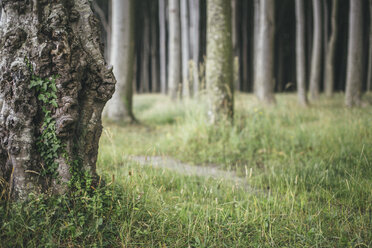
x: 122, y: 58
x: 300, y: 52
x: 354, y: 75
x: 316, y: 57
x: 264, y: 73
x: 57, y: 38
x: 219, y: 67
x: 174, y: 68
x: 331, y: 49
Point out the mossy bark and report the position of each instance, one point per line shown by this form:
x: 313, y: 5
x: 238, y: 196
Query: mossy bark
x: 61, y: 38
x: 219, y: 67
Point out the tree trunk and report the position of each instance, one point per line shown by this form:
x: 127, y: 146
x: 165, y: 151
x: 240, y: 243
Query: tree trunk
x: 145, y: 53
x: 369, y: 77
x: 256, y: 26
x: 331, y: 49
x: 219, y: 67
x: 154, y: 48
x: 163, y: 47
x: 264, y: 79
x: 120, y: 107
x: 245, y: 48
x: 195, y: 23
x: 42, y: 135
x: 300, y: 52
x: 355, y: 52
x: 174, y: 69
x: 185, y: 48
x: 316, y: 57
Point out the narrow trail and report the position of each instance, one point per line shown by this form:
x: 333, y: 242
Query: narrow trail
x: 207, y: 171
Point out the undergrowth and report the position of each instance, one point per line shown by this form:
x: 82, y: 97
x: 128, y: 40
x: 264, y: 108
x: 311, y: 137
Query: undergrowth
x: 311, y: 168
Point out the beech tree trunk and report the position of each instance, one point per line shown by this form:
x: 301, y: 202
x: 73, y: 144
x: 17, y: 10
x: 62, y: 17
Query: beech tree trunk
x: 185, y: 48
x: 120, y: 107
x: 145, y: 53
x: 154, y: 49
x: 300, y: 52
x: 219, y: 67
x: 163, y: 47
x: 264, y: 74
x: 369, y: 77
x: 331, y: 49
x: 355, y: 52
x: 316, y: 57
x: 256, y: 25
x: 57, y: 38
x: 195, y: 34
x: 174, y: 46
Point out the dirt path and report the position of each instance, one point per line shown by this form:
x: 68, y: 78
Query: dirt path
x: 192, y: 170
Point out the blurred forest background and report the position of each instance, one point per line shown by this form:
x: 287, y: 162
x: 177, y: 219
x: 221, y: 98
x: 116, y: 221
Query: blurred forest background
x: 152, y: 42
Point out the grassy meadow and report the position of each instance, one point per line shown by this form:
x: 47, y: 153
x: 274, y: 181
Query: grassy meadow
x: 309, y: 172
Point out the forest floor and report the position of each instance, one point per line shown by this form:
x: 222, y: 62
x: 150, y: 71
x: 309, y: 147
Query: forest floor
x: 281, y: 176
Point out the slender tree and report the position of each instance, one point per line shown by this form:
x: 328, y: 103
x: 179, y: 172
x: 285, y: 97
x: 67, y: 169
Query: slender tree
x: 331, y: 49
x: 315, y: 73
x: 120, y: 107
x: 53, y: 84
x: 369, y: 77
x: 163, y: 46
x: 174, y: 69
x: 300, y: 52
x: 195, y: 39
x: 355, y: 52
x: 264, y: 73
x: 219, y: 67
x: 185, y: 41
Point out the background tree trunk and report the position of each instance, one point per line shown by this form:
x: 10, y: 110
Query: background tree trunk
x: 67, y: 46
x: 264, y: 79
x: 369, y: 77
x: 355, y: 52
x: 122, y: 59
x: 185, y: 48
x: 256, y: 31
x: 154, y: 48
x: 163, y: 46
x: 174, y: 69
x: 300, y: 52
x: 316, y: 57
x: 195, y: 34
x: 331, y: 48
x: 219, y: 67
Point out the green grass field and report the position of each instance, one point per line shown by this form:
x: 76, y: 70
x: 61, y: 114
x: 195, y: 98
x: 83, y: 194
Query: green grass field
x: 309, y: 170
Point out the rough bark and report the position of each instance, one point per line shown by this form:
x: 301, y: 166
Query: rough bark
x: 163, y: 47
x: 331, y: 49
x: 58, y: 38
x: 195, y: 34
x: 369, y: 77
x: 316, y: 57
x: 219, y: 66
x: 355, y: 52
x: 120, y: 107
x: 185, y: 41
x: 264, y: 73
x: 300, y: 52
x: 174, y: 46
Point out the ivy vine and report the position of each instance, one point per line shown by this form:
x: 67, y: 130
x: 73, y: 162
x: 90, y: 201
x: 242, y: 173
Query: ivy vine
x: 48, y: 144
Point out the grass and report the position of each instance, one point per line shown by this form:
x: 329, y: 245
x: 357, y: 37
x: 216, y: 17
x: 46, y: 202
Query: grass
x: 311, y: 168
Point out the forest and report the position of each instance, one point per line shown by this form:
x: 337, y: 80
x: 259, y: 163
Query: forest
x: 185, y: 123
